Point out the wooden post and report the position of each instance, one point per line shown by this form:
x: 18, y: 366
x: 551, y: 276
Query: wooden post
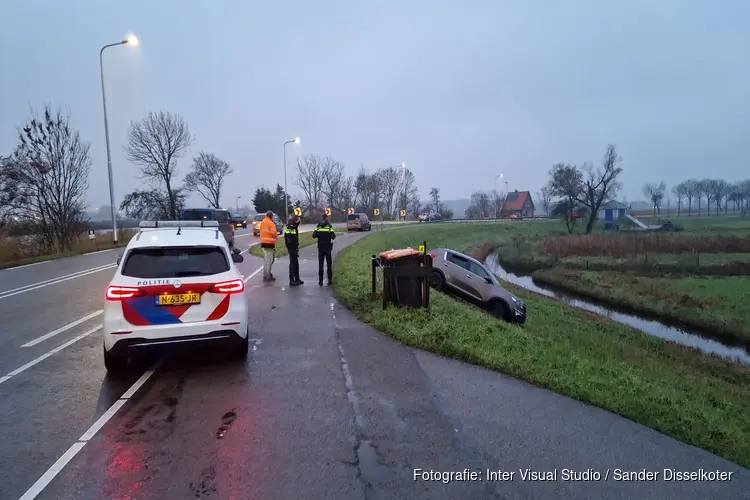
x: 385, y: 290
x: 425, y: 279
x: 373, y: 275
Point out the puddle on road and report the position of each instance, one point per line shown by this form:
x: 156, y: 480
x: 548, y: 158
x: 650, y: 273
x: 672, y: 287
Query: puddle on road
x: 226, y: 422
x: 651, y: 327
x: 369, y: 465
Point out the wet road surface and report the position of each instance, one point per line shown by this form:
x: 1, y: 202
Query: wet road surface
x: 324, y: 407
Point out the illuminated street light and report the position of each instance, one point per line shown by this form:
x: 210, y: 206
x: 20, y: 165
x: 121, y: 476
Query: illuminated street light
x: 130, y: 40
x: 286, y: 195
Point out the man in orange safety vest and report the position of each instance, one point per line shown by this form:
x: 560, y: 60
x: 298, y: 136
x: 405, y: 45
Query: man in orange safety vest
x: 268, y: 235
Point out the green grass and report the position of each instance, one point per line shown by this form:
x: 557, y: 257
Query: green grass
x: 698, y: 399
x: 305, y: 239
x: 14, y: 255
x: 714, y: 303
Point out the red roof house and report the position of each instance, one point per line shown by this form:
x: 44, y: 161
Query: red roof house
x: 518, y: 202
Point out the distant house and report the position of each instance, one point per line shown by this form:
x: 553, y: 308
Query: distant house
x: 519, y: 203
x: 612, y: 211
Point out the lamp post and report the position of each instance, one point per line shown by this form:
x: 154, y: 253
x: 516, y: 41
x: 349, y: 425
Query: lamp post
x: 131, y: 40
x: 286, y: 194
x: 400, y: 181
x: 237, y: 203
x: 498, y: 176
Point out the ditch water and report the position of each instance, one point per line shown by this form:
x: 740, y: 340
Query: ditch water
x: 656, y: 328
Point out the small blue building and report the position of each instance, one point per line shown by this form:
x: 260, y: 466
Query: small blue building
x: 613, y: 211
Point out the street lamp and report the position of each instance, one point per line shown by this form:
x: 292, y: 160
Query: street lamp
x: 130, y: 40
x: 237, y: 203
x: 498, y: 176
x: 286, y: 194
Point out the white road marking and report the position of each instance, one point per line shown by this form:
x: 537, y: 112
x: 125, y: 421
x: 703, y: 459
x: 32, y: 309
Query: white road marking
x: 253, y: 274
x: 63, y: 329
x: 27, y: 265
x: 52, y: 260
x: 54, y: 281
x: 48, y: 354
x: 66, y: 457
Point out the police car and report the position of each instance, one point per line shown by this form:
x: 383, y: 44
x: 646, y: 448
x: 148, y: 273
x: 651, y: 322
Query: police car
x: 175, y: 284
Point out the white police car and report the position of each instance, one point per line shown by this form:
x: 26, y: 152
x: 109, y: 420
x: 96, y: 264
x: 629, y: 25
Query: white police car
x: 176, y: 283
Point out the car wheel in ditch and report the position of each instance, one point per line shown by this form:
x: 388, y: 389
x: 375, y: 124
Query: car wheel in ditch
x: 437, y: 281
x: 499, y: 310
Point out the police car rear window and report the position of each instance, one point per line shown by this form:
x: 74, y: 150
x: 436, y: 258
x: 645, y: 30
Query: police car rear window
x: 259, y: 217
x: 353, y: 217
x: 175, y: 262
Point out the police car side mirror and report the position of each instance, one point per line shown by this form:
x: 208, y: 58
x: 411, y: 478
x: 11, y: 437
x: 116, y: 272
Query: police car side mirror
x: 119, y: 258
x: 488, y: 279
x: 236, y: 250
x: 237, y: 258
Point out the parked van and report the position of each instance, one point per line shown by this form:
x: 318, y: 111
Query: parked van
x: 358, y: 222
x: 223, y: 217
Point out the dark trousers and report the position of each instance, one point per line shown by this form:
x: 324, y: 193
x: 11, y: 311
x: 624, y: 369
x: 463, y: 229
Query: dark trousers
x: 324, y: 256
x: 294, y: 265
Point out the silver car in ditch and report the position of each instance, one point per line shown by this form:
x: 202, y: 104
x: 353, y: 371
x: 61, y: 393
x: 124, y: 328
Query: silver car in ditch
x: 471, y: 280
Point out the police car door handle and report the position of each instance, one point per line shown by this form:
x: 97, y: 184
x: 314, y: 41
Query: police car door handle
x: 468, y: 276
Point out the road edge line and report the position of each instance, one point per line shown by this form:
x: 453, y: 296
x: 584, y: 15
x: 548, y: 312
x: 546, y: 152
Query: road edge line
x: 62, y: 329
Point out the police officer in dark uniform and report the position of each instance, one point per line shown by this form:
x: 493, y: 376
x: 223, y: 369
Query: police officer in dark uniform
x: 291, y: 238
x: 325, y: 236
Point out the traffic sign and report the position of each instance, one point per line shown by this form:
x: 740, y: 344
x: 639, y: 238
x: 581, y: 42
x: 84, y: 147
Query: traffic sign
x: 351, y: 211
x: 298, y: 211
x: 376, y: 212
x: 403, y: 213
x: 328, y: 212
x: 92, y: 234
x: 421, y: 248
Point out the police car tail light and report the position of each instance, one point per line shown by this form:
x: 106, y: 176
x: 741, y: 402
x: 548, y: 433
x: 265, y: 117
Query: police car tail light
x: 234, y: 286
x: 123, y: 292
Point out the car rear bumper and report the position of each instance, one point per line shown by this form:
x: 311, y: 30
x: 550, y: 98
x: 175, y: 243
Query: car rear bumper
x: 135, y: 345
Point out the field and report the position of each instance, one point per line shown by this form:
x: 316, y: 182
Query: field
x: 699, y: 278
x: 14, y: 252
x: 696, y: 398
x: 305, y: 239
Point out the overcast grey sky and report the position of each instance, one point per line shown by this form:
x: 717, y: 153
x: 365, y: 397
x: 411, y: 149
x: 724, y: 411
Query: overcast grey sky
x: 460, y: 91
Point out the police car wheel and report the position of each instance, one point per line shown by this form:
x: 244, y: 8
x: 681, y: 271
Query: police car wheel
x: 115, y: 365
x: 241, y: 348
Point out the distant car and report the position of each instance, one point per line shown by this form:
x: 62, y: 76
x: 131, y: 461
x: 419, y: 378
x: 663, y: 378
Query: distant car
x: 257, y: 219
x: 515, y: 217
x: 239, y: 221
x: 358, y: 222
x: 216, y: 214
x: 176, y: 283
x: 423, y: 217
x: 471, y: 280
x: 434, y: 217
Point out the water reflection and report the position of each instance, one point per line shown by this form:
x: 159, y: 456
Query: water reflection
x: 648, y: 326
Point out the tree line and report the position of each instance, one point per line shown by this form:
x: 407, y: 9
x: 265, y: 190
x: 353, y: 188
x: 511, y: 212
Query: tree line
x: 721, y: 194
x: 43, y: 182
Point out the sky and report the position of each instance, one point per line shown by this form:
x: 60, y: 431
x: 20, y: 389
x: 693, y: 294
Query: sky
x: 459, y: 91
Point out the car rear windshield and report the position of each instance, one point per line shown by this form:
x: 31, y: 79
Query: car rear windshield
x: 175, y: 262
x: 259, y: 218
x: 197, y: 215
x: 353, y: 217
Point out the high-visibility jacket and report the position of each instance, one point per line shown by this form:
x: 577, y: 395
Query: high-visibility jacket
x: 268, y: 233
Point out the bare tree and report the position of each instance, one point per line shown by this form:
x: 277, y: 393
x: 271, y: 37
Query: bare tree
x: 153, y: 204
x: 435, y: 197
x: 479, y: 207
x: 691, y: 192
x: 207, y: 176
x: 545, y: 198
x: 721, y: 191
x: 679, y: 191
x: 600, y: 184
x: 390, y: 180
x: 311, y: 180
x: 155, y: 144
x: 655, y: 194
x: 45, y: 181
x: 333, y: 184
x: 566, y: 183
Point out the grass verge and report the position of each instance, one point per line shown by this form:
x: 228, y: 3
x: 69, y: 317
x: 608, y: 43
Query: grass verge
x: 13, y: 255
x: 712, y: 303
x: 698, y: 399
x: 305, y: 239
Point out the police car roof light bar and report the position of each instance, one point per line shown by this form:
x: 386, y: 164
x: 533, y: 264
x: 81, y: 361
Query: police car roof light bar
x: 178, y: 224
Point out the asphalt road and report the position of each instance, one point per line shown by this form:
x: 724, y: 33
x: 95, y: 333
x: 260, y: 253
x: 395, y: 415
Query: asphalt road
x: 323, y: 408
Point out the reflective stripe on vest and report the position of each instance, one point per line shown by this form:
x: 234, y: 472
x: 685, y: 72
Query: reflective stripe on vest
x: 324, y: 229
